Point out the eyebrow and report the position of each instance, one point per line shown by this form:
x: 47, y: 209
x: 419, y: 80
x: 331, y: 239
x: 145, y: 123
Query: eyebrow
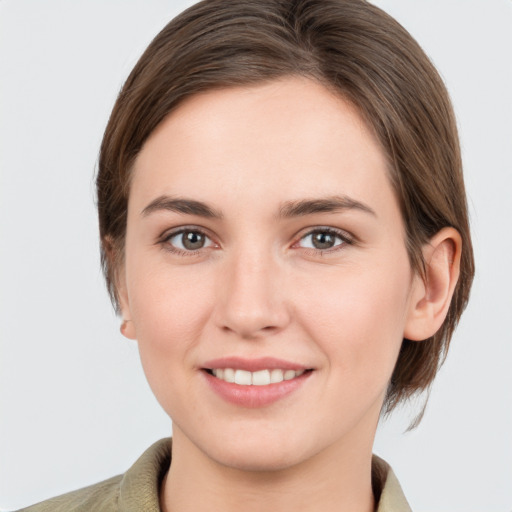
x: 181, y: 205
x: 324, y: 205
x: 289, y: 209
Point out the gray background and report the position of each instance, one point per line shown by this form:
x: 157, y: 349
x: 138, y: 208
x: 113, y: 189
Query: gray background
x: 74, y: 405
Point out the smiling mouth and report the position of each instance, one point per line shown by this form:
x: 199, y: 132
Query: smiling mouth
x: 258, y: 378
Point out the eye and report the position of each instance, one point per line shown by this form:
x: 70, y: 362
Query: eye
x: 323, y: 239
x: 188, y: 240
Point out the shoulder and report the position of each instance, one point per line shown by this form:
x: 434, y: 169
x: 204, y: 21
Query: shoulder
x: 102, y: 497
x: 137, y: 489
x: 386, y: 488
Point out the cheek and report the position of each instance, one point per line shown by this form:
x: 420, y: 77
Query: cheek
x: 169, y: 313
x: 358, y: 319
x: 169, y: 307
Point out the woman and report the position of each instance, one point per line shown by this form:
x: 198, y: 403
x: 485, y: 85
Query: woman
x: 284, y: 231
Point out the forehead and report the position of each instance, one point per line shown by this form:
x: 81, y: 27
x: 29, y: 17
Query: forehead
x: 283, y: 140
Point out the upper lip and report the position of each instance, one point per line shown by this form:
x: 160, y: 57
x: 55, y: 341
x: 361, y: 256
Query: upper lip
x: 253, y: 365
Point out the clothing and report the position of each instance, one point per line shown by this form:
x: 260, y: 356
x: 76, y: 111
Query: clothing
x: 138, y: 489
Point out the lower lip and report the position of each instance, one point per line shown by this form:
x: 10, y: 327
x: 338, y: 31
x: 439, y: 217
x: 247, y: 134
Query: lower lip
x: 255, y: 396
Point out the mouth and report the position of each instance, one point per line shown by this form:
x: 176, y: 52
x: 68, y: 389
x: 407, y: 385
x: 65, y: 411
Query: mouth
x: 255, y: 382
x: 257, y: 378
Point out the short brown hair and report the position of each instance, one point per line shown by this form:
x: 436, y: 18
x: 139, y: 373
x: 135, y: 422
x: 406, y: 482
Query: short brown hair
x: 354, y: 49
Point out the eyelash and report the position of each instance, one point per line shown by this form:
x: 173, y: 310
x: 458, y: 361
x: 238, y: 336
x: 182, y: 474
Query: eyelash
x: 345, y: 238
x: 165, y: 241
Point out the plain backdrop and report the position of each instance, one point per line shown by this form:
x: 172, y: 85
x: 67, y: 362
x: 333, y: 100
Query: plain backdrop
x: 74, y: 404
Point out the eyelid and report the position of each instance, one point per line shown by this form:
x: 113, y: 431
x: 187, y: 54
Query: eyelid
x: 347, y: 238
x: 163, y: 239
x: 167, y: 235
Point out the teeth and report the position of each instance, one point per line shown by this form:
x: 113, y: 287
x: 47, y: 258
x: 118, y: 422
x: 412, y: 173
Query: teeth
x: 242, y: 377
x: 276, y: 376
x: 289, y: 374
x: 229, y: 375
x: 259, y: 378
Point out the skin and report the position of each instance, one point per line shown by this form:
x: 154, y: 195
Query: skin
x: 259, y: 287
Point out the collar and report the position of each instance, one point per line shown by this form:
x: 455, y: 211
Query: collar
x: 140, y: 485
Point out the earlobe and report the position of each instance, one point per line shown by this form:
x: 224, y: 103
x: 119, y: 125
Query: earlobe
x: 431, y: 296
x: 127, y: 327
x: 119, y: 277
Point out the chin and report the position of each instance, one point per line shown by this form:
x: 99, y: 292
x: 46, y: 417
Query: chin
x: 258, y: 452
x: 259, y: 460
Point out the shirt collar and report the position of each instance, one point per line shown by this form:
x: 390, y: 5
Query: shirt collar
x: 387, y: 488
x: 140, y: 485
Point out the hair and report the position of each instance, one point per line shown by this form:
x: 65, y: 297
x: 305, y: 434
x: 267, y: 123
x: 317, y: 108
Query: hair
x: 355, y: 50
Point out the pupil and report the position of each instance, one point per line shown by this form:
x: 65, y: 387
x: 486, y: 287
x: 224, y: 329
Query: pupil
x: 323, y: 240
x: 192, y: 240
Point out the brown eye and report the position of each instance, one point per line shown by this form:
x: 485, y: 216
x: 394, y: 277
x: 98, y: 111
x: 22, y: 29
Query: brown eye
x: 189, y: 240
x: 192, y: 240
x: 322, y: 239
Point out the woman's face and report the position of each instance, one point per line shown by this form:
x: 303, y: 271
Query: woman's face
x: 264, y: 242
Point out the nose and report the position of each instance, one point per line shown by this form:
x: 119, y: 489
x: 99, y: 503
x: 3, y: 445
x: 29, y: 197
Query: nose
x: 251, y: 300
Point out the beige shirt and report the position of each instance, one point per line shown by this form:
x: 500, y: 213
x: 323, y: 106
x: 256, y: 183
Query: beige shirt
x: 138, y: 489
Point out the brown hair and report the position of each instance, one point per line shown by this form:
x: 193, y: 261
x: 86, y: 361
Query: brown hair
x: 354, y: 49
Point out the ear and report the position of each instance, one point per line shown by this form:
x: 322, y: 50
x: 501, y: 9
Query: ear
x: 118, y: 275
x: 127, y: 327
x: 431, y: 296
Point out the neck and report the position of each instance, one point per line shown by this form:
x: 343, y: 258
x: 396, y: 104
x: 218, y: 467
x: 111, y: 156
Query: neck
x: 335, y: 480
